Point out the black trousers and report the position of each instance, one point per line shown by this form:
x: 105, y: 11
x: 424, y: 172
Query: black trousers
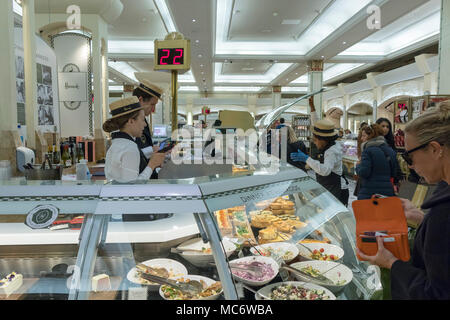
x: 345, y: 194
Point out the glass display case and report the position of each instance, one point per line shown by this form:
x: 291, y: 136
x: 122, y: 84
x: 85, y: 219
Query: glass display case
x: 208, y: 229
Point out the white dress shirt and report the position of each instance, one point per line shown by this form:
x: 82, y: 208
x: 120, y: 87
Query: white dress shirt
x: 122, y: 162
x: 332, y: 161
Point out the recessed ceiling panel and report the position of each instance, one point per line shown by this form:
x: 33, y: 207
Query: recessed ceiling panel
x: 268, y: 20
x: 139, y: 20
x: 246, y: 67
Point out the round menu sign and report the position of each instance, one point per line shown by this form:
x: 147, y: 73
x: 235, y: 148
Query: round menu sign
x: 42, y: 216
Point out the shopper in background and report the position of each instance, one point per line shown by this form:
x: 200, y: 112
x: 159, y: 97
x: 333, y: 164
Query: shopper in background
x: 282, y: 124
x: 125, y: 161
x: 377, y: 165
x: 293, y: 144
x: 328, y: 165
x: 427, y: 274
x: 386, y: 126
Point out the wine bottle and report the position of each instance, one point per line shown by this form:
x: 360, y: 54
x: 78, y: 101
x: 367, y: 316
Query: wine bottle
x: 66, y: 159
x: 80, y: 153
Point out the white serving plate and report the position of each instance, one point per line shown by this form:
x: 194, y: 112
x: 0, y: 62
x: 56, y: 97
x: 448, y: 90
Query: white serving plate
x: 328, y: 249
x: 339, y: 273
x: 207, y: 280
x: 268, y: 260
x: 200, y: 259
x: 174, y: 267
x: 281, y: 247
x: 267, y: 290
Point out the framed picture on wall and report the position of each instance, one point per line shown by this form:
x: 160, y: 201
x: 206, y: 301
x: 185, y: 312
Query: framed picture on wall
x: 402, y: 109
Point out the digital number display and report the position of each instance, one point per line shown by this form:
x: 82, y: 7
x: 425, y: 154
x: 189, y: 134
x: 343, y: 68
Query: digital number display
x: 172, y: 56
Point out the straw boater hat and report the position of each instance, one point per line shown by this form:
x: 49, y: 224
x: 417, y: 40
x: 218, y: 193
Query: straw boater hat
x: 151, y: 89
x: 125, y: 106
x: 324, y: 128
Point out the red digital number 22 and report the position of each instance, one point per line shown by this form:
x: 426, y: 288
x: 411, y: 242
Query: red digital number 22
x: 164, y: 57
x: 180, y: 51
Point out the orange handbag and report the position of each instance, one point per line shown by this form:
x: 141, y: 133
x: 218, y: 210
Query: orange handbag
x: 383, y: 217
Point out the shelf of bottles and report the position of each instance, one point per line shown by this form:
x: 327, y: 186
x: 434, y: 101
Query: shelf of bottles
x: 68, y: 153
x: 302, y: 127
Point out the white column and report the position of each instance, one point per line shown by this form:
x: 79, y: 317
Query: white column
x: 276, y: 97
x: 315, y: 83
x: 105, y: 80
x: 444, y: 49
x: 29, y: 46
x: 252, y: 98
x: 8, y: 95
x: 98, y: 34
x: 189, y: 110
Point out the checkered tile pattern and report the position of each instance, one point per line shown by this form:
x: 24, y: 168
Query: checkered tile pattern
x: 256, y: 188
x: 55, y: 198
x: 174, y: 198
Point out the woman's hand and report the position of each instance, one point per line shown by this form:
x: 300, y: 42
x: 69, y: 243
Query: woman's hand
x: 156, y: 160
x: 299, y: 156
x: 412, y: 213
x: 384, y: 258
x: 155, y: 148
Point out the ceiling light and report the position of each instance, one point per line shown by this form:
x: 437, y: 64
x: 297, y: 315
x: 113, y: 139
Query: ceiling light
x: 203, y: 72
x: 197, y: 41
x: 200, y: 55
x: 344, y: 42
x: 194, y: 20
x: 275, y: 14
x: 201, y: 66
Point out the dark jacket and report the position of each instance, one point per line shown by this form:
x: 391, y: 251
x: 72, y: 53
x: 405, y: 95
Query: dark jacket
x: 378, y: 165
x: 294, y: 147
x: 427, y: 274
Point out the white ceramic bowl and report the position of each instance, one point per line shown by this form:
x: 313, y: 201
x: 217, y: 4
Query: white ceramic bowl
x: 340, y: 273
x: 267, y: 290
x: 174, y: 267
x: 207, y: 280
x: 200, y: 259
x: 273, y: 264
x: 329, y: 249
x: 278, y: 247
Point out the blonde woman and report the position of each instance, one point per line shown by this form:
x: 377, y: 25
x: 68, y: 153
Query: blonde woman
x: 427, y: 274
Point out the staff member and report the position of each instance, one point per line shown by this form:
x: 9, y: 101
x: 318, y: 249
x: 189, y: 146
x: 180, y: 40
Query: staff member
x: 328, y: 165
x: 125, y: 162
x: 148, y: 95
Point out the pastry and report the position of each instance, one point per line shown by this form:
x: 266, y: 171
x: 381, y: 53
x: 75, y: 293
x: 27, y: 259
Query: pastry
x: 296, y: 223
x: 275, y: 206
x: 289, y: 211
x: 263, y: 220
x: 269, y: 233
x: 101, y: 282
x: 283, y: 226
x: 277, y: 212
x: 10, y: 283
x: 223, y: 222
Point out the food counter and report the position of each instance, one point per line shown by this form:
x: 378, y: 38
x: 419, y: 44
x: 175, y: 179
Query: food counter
x: 214, y: 229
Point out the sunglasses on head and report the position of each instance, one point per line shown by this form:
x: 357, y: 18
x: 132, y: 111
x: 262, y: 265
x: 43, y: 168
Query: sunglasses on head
x: 407, y: 154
